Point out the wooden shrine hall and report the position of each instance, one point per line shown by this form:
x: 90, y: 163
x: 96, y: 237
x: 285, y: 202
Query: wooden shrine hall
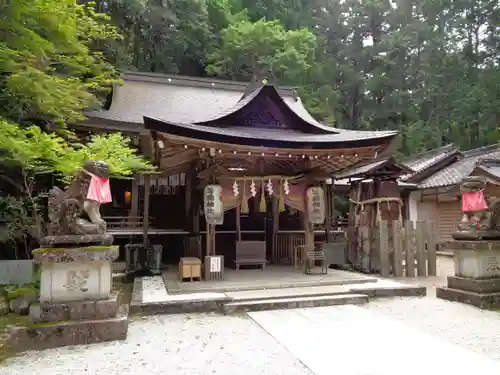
x: 262, y: 166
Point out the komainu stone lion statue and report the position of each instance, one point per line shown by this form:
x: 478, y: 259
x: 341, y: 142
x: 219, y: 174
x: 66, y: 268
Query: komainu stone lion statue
x: 480, y: 219
x: 74, y: 215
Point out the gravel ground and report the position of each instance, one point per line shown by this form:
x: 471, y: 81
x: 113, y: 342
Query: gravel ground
x: 463, y: 325
x: 174, y: 344
x: 213, y: 344
x: 460, y: 324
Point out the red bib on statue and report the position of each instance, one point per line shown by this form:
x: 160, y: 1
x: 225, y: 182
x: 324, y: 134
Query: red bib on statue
x: 473, y: 201
x: 99, y: 189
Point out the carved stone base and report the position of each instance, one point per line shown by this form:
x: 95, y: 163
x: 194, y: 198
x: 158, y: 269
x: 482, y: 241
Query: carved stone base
x: 477, y: 235
x: 477, y: 274
x: 76, y: 306
x: 56, y: 334
x: 476, y: 259
x: 75, y: 239
x: 474, y: 285
x: 81, y: 274
x: 481, y: 300
x: 75, y: 311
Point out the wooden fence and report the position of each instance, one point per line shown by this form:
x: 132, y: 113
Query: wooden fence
x: 284, y: 246
x: 407, y: 250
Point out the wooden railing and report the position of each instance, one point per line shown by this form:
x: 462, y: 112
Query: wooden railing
x: 284, y: 246
x: 117, y: 223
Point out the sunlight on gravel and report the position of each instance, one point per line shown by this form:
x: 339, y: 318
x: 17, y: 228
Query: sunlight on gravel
x: 170, y: 344
x: 461, y: 324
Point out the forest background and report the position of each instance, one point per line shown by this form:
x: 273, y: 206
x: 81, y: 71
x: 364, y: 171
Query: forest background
x: 427, y: 68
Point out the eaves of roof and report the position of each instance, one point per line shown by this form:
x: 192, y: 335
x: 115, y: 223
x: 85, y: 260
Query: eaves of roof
x: 454, y: 173
x: 360, y: 171
x: 252, y: 136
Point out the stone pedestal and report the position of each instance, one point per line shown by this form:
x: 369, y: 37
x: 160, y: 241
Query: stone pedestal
x: 78, y: 274
x: 76, y: 304
x: 477, y: 274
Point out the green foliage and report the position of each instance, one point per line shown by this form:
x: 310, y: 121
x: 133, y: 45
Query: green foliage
x: 428, y: 69
x: 50, y: 71
x: 113, y: 148
x: 263, y: 46
x: 26, y: 153
x: 34, y: 151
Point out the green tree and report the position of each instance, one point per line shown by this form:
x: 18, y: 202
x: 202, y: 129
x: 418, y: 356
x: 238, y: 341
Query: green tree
x: 248, y: 47
x: 28, y: 153
x: 50, y: 71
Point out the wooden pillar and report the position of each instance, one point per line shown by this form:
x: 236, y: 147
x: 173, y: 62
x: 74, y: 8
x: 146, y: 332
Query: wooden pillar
x: 145, y: 223
x: 188, y: 192
x: 308, y: 232
x: 238, y: 223
x: 328, y: 189
x: 134, y: 207
x: 196, y: 218
x: 208, y: 239
x: 276, y: 223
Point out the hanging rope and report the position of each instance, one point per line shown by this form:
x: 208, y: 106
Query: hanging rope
x: 376, y: 200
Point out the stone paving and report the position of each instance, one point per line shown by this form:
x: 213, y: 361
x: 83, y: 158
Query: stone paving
x: 351, y: 340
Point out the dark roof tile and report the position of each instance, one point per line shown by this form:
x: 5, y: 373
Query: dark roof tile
x: 454, y: 173
x: 359, y: 171
x: 285, y: 135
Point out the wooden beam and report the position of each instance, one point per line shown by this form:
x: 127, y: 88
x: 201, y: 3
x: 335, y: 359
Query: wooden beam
x: 147, y: 145
x: 228, y: 148
x: 180, y: 158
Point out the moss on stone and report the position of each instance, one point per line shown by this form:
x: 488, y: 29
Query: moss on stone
x: 13, y: 320
x: 99, y: 249
x: 32, y: 325
x: 19, y: 292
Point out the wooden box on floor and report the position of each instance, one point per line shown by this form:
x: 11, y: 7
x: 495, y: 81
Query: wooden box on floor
x: 190, y: 268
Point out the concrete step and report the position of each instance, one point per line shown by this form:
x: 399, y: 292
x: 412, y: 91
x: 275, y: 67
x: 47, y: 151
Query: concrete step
x: 267, y: 294
x: 293, y: 303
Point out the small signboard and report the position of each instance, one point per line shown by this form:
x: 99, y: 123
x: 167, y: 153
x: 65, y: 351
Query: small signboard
x: 212, y: 201
x: 215, y: 264
x: 315, y: 197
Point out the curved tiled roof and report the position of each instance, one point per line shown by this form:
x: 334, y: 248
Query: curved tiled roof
x: 254, y: 135
x: 425, y: 159
x: 454, y: 173
x: 197, y: 103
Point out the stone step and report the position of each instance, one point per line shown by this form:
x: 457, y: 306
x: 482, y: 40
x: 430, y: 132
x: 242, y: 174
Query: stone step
x: 294, y: 303
x: 267, y: 294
